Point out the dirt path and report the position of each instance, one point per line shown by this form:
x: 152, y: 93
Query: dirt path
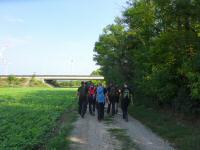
x: 143, y: 137
x: 89, y: 134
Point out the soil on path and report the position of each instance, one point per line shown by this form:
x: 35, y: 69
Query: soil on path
x: 89, y: 134
x: 142, y: 136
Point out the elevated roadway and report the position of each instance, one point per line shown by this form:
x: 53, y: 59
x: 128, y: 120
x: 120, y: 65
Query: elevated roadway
x: 58, y: 77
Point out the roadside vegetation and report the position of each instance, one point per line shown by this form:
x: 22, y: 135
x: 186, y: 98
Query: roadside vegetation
x: 30, y: 116
x: 71, y: 84
x: 59, y: 139
x: 12, y: 81
x: 184, y: 134
x: 155, y: 47
x: 67, y: 84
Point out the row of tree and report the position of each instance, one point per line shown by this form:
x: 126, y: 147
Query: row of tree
x: 155, y: 47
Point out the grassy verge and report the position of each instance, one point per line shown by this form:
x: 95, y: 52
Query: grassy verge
x: 121, y: 135
x: 28, y: 115
x: 185, y: 136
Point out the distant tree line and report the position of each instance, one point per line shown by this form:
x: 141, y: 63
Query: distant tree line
x: 155, y: 47
x: 66, y: 84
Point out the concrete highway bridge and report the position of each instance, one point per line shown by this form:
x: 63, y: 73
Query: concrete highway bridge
x: 58, y: 77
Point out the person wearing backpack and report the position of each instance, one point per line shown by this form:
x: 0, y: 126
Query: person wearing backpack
x: 125, y: 100
x: 82, y: 94
x: 117, y: 96
x: 101, y: 97
x: 111, y: 99
x: 91, y: 98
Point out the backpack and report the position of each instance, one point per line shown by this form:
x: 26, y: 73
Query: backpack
x: 112, y: 91
x: 117, y: 93
x: 100, y: 91
x: 92, y: 91
x: 100, y: 94
x: 126, y: 94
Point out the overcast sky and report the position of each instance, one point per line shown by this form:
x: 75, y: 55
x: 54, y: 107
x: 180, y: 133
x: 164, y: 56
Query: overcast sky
x: 52, y: 36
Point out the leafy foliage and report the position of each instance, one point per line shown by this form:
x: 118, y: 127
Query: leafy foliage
x: 96, y: 72
x: 155, y: 47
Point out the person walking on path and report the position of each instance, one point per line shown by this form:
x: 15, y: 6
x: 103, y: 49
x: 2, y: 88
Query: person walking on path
x: 91, y: 99
x: 117, y: 96
x: 125, y: 100
x: 101, y: 97
x: 82, y: 94
x: 111, y: 98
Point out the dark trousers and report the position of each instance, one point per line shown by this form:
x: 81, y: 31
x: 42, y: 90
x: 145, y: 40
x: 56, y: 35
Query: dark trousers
x: 116, y: 107
x: 111, y: 106
x: 92, y: 104
x: 125, y: 111
x: 116, y: 104
x: 82, y: 106
x: 100, y: 111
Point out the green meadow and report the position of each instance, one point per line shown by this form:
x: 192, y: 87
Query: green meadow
x: 29, y: 115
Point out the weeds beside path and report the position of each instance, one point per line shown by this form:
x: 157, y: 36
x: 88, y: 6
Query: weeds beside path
x: 59, y: 138
x: 185, y: 136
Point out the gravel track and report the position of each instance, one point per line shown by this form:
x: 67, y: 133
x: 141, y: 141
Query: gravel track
x: 89, y: 134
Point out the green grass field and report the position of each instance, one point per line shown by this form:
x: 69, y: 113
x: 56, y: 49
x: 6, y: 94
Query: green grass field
x: 28, y: 115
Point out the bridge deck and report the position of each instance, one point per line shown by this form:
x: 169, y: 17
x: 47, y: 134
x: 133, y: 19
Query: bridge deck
x: 58, y: 77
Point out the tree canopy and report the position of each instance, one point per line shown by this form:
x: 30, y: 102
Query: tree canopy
x: 155, y: 47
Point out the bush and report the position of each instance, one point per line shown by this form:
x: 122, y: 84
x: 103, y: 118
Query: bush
x: 11, y: 79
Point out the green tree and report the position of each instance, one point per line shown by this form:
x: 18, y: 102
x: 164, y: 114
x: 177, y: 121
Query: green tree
x: 96, y: 72
x: 155, y: 46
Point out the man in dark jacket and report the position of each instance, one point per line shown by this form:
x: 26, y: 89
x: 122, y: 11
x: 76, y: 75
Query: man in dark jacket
x: 82, y: 94
x: 111, y: 99
x: 125, y: 100
x: 117, y: 96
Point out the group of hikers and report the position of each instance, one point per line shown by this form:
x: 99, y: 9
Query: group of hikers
x: 97, y: 96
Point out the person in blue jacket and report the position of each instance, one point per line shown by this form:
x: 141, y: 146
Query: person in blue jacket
x: 101, y: 96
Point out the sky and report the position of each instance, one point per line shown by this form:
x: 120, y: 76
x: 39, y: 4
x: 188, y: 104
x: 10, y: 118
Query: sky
x: 52, y: 36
